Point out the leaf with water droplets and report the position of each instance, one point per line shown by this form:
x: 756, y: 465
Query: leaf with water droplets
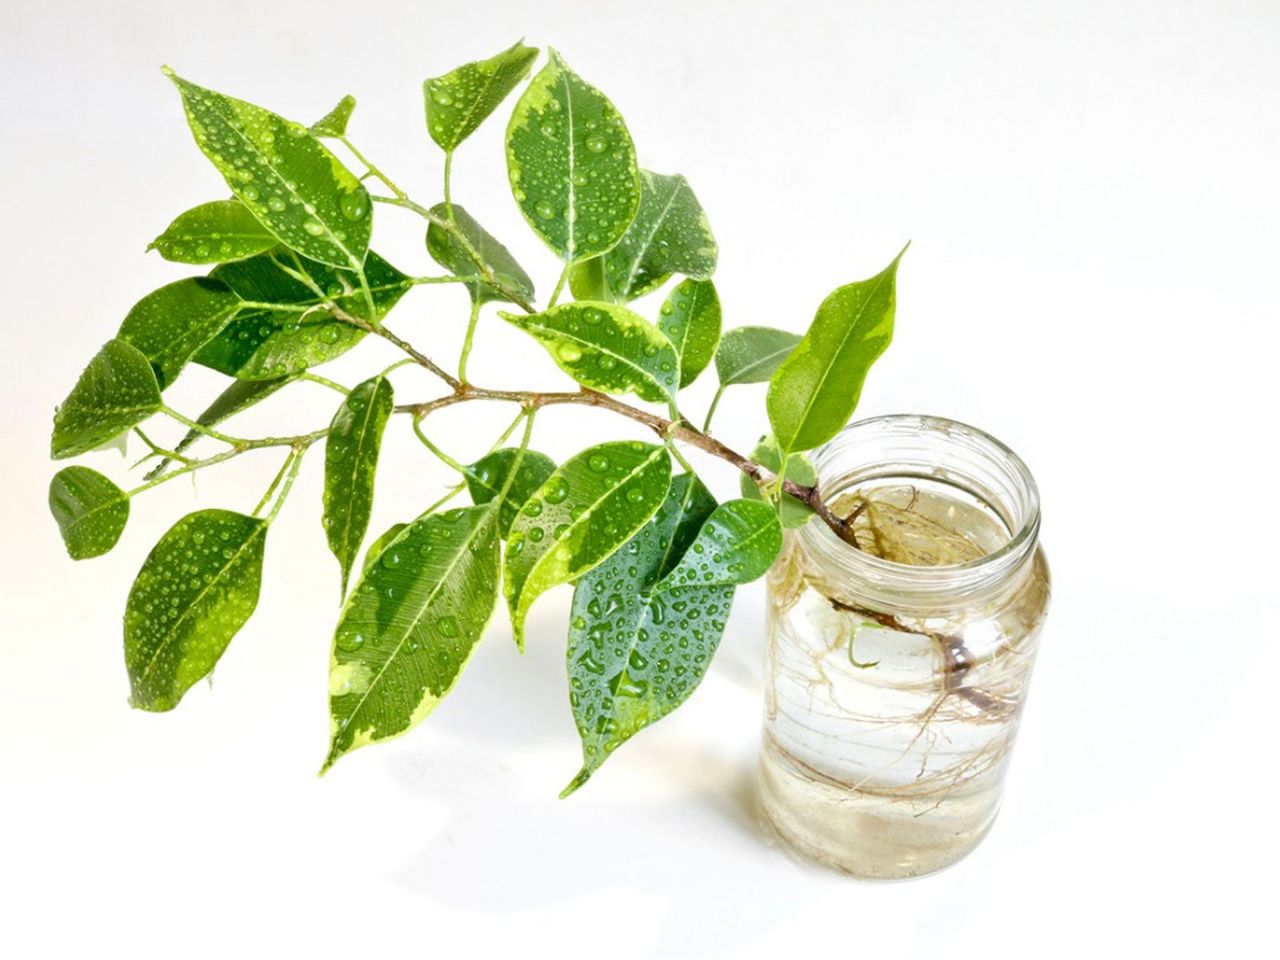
x: 410, y: 626
x: 639, y: 644
x: 752, y: 354
x: 334, y: 123
x: 89, y: 509
x: 287, y: 178
x: 572, y: 164
x: 586, y: 280
x: 606, y: 347
x: 458, y: 102
x: 264, y: 343
x: 350, y: 465
x: 487, y: 477
x: 690, y: 319
x: 194, y: 592
x: 216, y: 232
x: 447, y: 251
x: 171, y: 324
x: 669, y: 234
x: 374, y: 553
x: 583, y: 513
x: 736, y: 545
x: 793, y: 512
x: 815, y: 390
x: 117, y: 390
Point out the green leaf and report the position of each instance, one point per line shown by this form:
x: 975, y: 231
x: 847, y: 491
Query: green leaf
x: 265, y: 344
x: 350, y: 465
x: 606, y: 347
x: 411, y: 625
x: 216, y: 232
x: 170, y: 324
x: 736, y: 545
x: 488, y: 475
x: 815, y: 390
x: 691, y: 321
x: 117, y: 390
x: 793, y: 512
x: 194, y: 592
x: 670, y: 234
x: 572, y: 164
x: 287, y: 178
x: 458, y: 102
x: 752, y: 354
x: 450, y: 254
x: 582, y: 514
x: 374, y: 552
x: 90, y: 510
x: 240, y: 395
x: 638, y: 644
x: 586, y: 280
x: 334, y: 123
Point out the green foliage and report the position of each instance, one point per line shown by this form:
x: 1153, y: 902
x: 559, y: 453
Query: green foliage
x: 90, y: 511
x: 285, y: 176
x: 194, y: 592
x: 117, y: 390
x: 458, y: 102
x: 410, y: 626
x: 582, y: 514
x: 606, y: 347
x: 572, y: 164
x: 448, y: 251
x: 670, y: 234
x: 172, y: 323
x: 690, y: 319
x: 350, y: 465
x: 293, y: 284
x: 216, y: 232
x: 815, y: 390
x: 513, y: 474
x: 292, y: 331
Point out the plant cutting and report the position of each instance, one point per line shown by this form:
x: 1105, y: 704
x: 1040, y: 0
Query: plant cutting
x: 293, y: 282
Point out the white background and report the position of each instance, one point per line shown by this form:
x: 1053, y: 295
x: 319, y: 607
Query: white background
x: 1091, y: 189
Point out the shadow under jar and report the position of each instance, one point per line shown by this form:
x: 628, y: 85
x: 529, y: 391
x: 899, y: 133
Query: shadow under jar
x: 897, y: 670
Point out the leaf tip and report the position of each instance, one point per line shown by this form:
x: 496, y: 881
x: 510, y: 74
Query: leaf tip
x: 582, y: 777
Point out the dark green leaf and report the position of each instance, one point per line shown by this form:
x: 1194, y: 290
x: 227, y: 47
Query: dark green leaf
x: 450, y: 254
x: 350, y: 465
x: 751, y: 354
x: 606, y: 347
x: 334, y: 123
x: 691, y: 321
x: 572, y: 164
x: 216, y: 232
x: 586, y: 280
x: 240, y: 395
x: 488, y: 475
x: 116, y: 391
x: 794, y: 512
x: 638, y: 645
x: 90, y: 510
x: 584, y: 512
x: 285, y: 176
x: 410, y: 626
x: 194, y: 592
x: 670, y: 234
x: 458, y: 102
x: 815, y: 390
x: 736, y: 545
x: 264, y: 344
x: 172, y: 323
x: 374, y: 552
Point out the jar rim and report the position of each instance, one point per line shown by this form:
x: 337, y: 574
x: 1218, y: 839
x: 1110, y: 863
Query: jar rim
x: 963, y: 455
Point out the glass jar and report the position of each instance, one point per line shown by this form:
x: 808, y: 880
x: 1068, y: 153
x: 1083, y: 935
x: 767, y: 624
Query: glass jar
x: 897, y: 669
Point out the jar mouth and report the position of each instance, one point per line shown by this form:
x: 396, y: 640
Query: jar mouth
x: 905, y: 446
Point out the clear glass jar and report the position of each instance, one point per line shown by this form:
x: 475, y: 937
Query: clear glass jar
x: 897, y: 670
